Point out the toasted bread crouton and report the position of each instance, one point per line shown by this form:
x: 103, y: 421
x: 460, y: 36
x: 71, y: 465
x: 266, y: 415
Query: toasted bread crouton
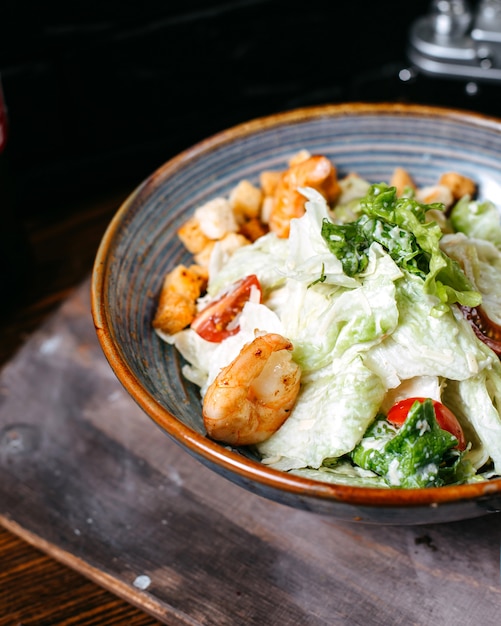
x: 435, y: 193
x: 459, y: 185
x: 253, y: 229
x: 245, y: 201
x: 267, y: 208
x: 202, y: 258
x: 201, y: 276
x: 222, y: 248
x: 177, y: 302
x: 226, y: 246
x: 192, y: 237
x: 174, y: 312
x: 216, y: 218
x: 402, y: 180
x: 231, y: 242
x: 317, y: 172
x: 269, y: 181
x: 189, y: 281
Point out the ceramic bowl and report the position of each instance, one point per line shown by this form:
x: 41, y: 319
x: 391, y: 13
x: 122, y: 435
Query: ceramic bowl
x: 141, y: 245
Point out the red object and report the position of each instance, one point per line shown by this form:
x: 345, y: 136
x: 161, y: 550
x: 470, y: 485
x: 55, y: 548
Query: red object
x: 214, y: 322
x: 3, y: 121
x: 484, y: 328
x: 445, y: 417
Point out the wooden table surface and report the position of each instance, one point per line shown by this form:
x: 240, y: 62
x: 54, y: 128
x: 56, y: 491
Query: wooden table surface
x: 36, y: 589
x: 214, y: 554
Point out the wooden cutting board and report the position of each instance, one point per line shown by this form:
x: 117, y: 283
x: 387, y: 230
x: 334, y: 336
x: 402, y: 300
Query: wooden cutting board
x: 87, y: 477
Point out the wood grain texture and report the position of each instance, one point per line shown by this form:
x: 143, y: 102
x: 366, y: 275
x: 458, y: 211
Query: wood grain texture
x: 57, y: 594
x: 89, y: 479
x: 34, y: 588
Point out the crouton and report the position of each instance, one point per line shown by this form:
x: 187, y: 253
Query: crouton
x: 245, y: 201
x: 192, y: 237
x: 177, y: 302
x: 459, y: 185
x: 402, y: 180
x: 435, y: 193
x: 269, y: 181
x: 202, y: 258
x: 253, y: 229
x: 216, y: 218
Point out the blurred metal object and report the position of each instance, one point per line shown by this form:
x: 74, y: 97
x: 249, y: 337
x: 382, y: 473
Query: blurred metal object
x: 456, y: 41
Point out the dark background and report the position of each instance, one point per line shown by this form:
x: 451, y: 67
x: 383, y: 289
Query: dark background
x: 101, y: 93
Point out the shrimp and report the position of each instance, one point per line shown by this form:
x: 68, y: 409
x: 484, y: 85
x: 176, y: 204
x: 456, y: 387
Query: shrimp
x: 316, y: 171
x: 253, y: 396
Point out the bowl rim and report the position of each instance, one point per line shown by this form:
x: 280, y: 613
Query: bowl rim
x: 201, y: 446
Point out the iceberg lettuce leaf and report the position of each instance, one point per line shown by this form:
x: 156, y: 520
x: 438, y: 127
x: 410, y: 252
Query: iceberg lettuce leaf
x: 329, y: 419
x: 309, y: 257
x: 342, y: 472
x: 481, y: 262
x: 477, y: 219
x: 265, y: 258
x: 477, y: 404
x: 424, y: 344
x: 324, y: 322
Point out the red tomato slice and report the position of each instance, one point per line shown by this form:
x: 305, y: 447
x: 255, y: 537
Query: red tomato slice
x: 484, y: 328
x: 214, y: 322
x: 445, y: 418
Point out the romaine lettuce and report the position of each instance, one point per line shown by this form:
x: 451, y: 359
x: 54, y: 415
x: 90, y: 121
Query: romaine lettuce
x: 419, y: 454
x: 398, y: 224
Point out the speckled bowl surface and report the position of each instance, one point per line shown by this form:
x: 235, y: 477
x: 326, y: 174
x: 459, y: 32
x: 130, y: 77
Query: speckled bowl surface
x: 141, y: 246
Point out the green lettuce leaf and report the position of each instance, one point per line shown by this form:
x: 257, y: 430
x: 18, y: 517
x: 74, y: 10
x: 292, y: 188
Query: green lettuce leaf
x: 481, y: 262
x: 327, y: 323
x: 342, y: 472
x: 419, y: 454
x: 263, y: 258
x: 399, y: 225
x: 476, y: 219
x: 424, y: 344
x: 476, y: 403
x: 329, y: 419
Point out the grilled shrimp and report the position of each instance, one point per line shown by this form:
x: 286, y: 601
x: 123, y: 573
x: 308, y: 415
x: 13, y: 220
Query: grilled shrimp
x: 253, y: 396
x: 317, y: 172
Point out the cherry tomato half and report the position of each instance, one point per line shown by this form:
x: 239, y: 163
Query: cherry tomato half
x: 213, y: 321
x: 484, y: 328
x: 445, y: 418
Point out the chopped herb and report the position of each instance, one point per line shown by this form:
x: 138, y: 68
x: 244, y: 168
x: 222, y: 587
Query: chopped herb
x: 321, y: 279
